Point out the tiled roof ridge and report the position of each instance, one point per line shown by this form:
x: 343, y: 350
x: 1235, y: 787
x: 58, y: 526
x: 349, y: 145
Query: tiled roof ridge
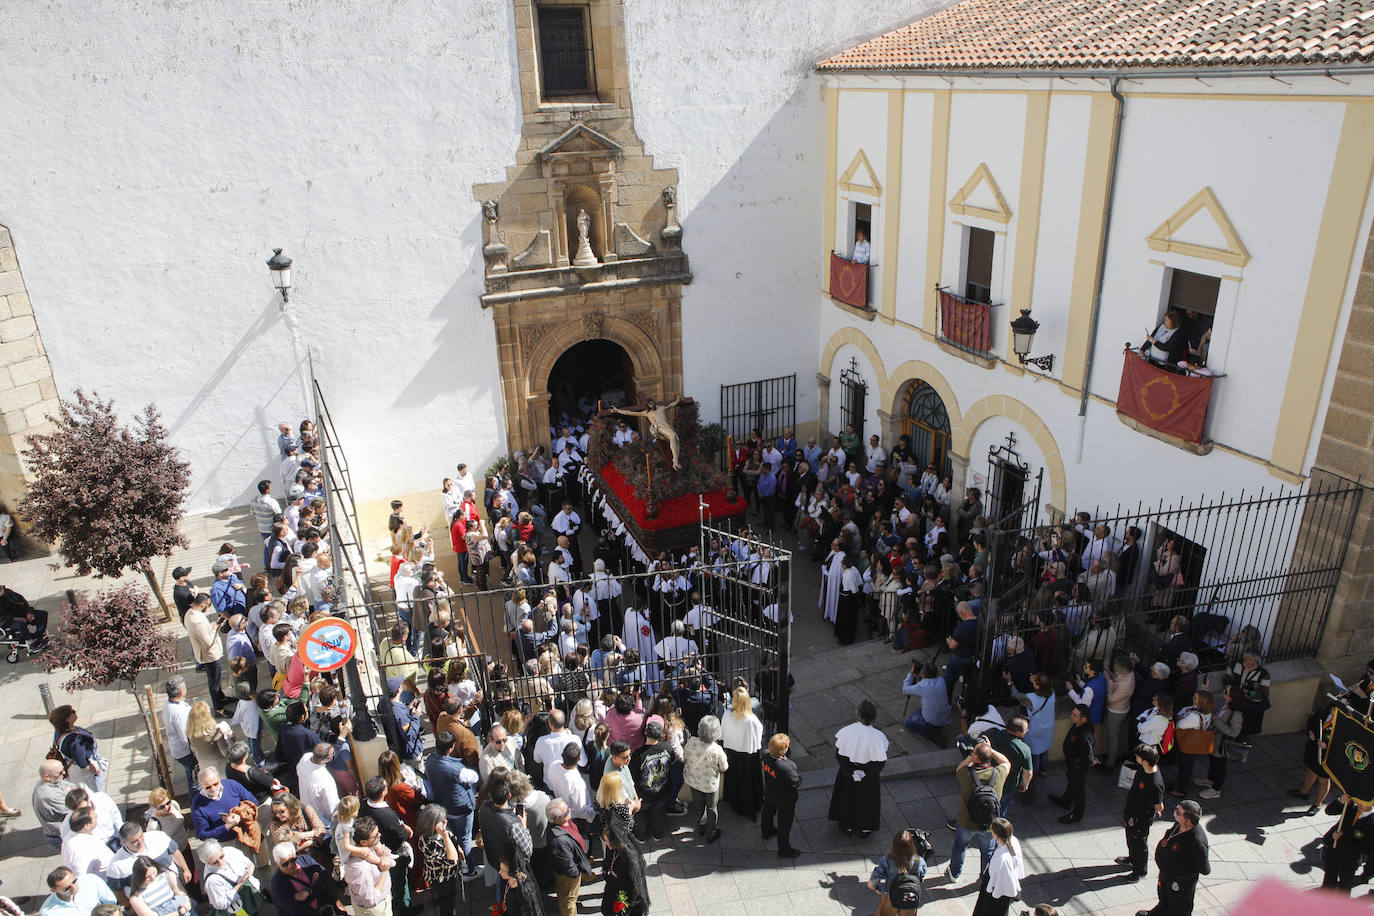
x: 1078, y: 34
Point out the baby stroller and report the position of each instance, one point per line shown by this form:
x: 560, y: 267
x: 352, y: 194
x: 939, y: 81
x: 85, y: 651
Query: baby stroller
x: 27, y: 635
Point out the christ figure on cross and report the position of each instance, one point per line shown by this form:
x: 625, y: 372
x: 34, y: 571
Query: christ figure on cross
x: 659, y: 427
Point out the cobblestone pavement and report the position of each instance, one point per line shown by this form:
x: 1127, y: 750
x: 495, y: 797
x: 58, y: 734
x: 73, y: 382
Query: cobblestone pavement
x: 1255, y: 831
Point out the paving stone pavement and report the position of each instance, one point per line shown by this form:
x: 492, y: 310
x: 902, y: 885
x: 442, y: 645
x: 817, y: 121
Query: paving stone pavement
x: 1255, y: 832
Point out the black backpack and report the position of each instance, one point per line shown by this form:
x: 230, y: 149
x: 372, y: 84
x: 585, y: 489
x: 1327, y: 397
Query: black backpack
x: 984, y: 805
x: 904, y: 892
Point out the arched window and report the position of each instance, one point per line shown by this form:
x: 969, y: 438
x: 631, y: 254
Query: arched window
x: 926, y: 421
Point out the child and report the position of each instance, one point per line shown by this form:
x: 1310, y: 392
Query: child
x: 229, y: 558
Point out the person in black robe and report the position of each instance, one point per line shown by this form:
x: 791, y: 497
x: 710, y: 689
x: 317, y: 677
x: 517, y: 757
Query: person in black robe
x: 624, y: 867
x: 861, y: 752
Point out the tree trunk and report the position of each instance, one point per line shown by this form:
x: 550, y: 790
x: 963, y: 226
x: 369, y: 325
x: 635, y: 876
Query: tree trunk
x: 157, y: 591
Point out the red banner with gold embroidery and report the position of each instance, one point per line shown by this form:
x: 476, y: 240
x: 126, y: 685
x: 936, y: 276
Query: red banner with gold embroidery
x: 848, y: 281
x: 1168, y: 402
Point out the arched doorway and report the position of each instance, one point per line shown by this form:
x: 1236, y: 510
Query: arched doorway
x: 926, y: 421
x: 588, y: 372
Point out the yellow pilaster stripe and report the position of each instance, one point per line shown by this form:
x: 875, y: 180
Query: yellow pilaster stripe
x: 1028, y: 210
x: 832, y: 135
x: 1091, y: 213
x: 1337, y: 237
x: 935, y: 219
x: 896, y: 100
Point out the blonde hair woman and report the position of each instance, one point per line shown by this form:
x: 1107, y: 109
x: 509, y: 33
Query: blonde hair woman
x: 612, y: 805
x: 209, y: 739
x: 741, y: 733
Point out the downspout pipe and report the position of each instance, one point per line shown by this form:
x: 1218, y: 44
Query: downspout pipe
x: 1115, y: 89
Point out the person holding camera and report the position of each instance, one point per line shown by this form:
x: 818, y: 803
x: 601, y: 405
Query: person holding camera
x: 982, y: 776
x: 923, y: 681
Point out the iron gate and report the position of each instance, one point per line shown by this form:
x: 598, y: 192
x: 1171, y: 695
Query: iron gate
x: 853, y: 391
x: 1259, y: 569
x: 768, y: 405
x: 740, y: 635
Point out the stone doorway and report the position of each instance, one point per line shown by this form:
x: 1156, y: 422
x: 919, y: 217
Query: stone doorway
x: 591, y: 372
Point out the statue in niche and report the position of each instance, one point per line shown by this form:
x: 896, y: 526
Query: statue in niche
x: 584, y: 257
x: 489, y: 210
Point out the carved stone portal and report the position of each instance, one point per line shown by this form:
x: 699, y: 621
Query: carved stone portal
x: 597, y: 228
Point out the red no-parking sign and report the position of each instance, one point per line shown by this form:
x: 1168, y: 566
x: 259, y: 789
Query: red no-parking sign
x: 327, y: 644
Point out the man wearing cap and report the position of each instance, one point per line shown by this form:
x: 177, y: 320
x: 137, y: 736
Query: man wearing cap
x: 407, y: 716
x: 206, y: 650
x: 227, y: 593
x: 295, y: 505
x: 183, y: 591
x: 290, y: 466
x: 651, y: 766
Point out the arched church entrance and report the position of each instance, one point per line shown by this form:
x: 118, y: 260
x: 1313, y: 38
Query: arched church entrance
x: 926, y: 420
x: 587, y: 373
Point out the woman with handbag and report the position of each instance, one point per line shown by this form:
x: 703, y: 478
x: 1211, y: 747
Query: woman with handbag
x: 228, y: 880
x: 1228, y: 724
x: 77, y: 749
x: 1193, y: 731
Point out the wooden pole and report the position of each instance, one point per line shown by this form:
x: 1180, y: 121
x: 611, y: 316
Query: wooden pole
x: 649, y: 471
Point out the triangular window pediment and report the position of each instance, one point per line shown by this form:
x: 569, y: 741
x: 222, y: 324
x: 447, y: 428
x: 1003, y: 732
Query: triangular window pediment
x: 581, y: 139
x: 980, y: 196
x: 1201, y: 229
x: 860, y: 176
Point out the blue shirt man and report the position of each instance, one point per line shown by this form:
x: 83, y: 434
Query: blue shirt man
x: 812, y: 453
x: 787, y: 444
x: 227, y: 594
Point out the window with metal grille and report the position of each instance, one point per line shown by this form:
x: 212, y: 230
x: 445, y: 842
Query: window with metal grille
x: 565, y: 51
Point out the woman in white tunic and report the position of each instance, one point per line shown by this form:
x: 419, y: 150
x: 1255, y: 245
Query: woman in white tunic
x: 831, y: 573
x: 861, y: 751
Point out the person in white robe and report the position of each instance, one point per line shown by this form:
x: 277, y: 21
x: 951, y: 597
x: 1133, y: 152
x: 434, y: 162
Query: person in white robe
x: 831, y: 574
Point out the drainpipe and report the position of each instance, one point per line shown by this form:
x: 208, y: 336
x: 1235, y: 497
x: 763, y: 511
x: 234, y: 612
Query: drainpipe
x: 1102, y: 252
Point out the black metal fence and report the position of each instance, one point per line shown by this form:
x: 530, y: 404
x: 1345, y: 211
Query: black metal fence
x: 1248, y: 573
x: 853, y: 392
x: 735, y: 614
x: 768, y: 405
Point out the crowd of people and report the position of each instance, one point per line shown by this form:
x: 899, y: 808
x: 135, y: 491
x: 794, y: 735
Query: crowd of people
x: 555, y: 761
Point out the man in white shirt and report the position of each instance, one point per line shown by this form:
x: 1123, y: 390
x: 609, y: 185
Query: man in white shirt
x: 290, y: 466
x: 623, y: 434
x: 672, y: 649
x: 134, y: 841
x: 175, y: 712
x: 318, y: 788
x: 265, y: 509
x: 83, y: 852
x: 314, y: 579
x: 108, y: 818
x: 548, y: 750
x: 876, y: 454
x: 566, y: 781
x: 700, y: 616
x: 1099, y: 546
x: 771, y: 456
x: 558, y: 570
x: 464, y: 482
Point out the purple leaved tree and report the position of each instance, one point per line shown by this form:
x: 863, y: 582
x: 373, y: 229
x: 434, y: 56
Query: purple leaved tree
x: 108, y: 639
x: 109, y: 495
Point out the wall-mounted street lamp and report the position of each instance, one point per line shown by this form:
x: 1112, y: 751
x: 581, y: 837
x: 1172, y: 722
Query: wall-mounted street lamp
x: 280, y: 266
x: 1023, y: 337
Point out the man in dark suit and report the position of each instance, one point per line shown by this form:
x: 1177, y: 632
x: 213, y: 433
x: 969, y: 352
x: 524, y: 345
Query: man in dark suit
x: 781, y: 785
x: 568, y: 847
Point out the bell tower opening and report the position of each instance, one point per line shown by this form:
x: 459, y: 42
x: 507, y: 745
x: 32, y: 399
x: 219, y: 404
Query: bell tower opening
x: 588, y: 372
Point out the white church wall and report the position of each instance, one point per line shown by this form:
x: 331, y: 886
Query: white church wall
x: 154, y: 155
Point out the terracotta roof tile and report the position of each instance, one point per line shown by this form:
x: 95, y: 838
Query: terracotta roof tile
x: 1073, y: 34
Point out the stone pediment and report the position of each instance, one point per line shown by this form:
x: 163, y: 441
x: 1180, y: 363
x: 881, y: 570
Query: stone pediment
x: 583, y: 141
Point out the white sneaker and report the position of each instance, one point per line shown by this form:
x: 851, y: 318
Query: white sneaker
x: 1210, y: 793
x: 1203, y: 781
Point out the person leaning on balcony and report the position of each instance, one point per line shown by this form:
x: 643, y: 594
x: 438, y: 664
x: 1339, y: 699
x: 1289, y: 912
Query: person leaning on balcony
x: 1167, y: 344
x: 861, y: 247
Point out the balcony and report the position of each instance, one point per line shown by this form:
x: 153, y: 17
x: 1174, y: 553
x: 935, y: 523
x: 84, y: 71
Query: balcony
x: 1166, y: 403
x: 849, y: 282
x: 966, y: 324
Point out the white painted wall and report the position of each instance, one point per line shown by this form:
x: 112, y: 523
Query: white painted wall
x: 155, y: 153
x: 1268, y: 160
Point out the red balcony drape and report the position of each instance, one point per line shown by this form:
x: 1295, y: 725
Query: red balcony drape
x: 1168, y: 402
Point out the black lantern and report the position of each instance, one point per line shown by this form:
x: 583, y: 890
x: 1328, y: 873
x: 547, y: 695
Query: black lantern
x: 1023, y: 338
x: 280, y: 266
